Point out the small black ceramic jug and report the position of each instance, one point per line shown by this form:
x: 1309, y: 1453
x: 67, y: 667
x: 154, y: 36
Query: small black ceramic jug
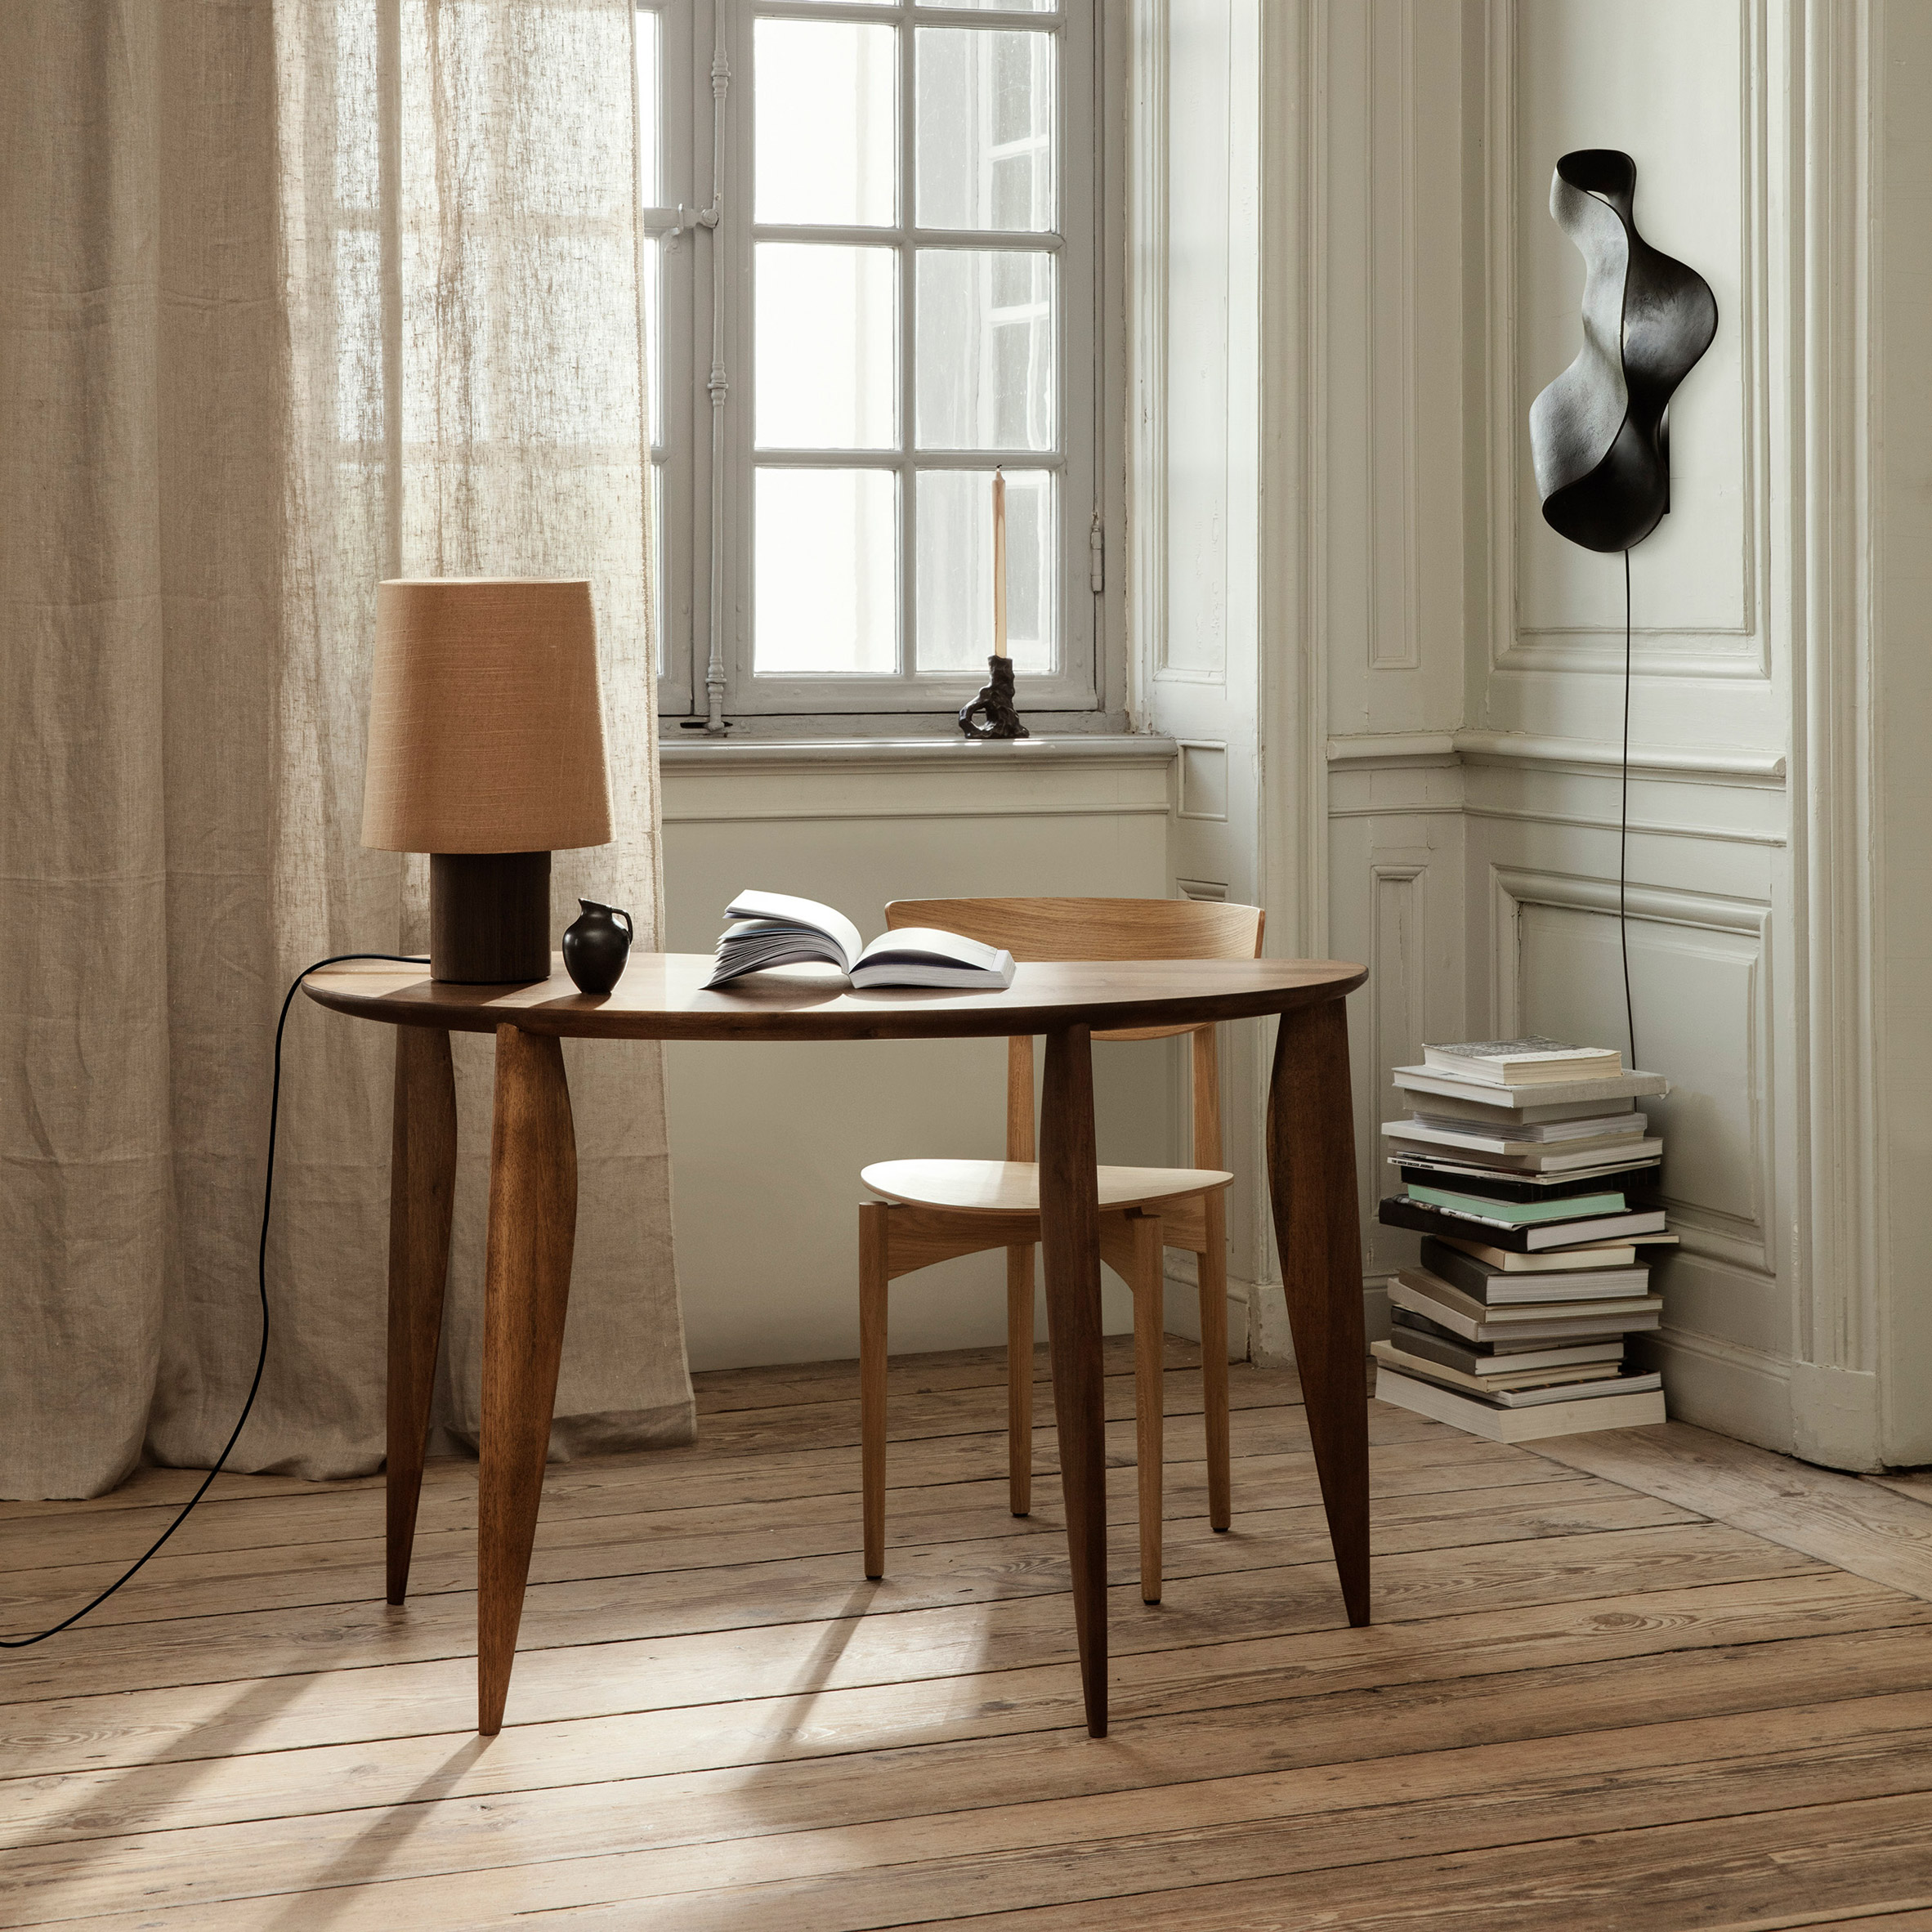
x: 595, y: 947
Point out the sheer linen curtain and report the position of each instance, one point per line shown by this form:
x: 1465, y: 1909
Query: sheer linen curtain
x: 299, y: 294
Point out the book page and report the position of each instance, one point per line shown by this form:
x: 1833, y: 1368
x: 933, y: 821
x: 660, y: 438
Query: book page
x: 802, y: 912
x: 929, y: 943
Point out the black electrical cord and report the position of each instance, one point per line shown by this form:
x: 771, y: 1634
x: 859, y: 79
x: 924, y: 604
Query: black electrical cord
x: 1623, y: 826
x: 268, y: 1183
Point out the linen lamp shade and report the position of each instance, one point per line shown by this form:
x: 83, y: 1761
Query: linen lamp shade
x: 486, y: 750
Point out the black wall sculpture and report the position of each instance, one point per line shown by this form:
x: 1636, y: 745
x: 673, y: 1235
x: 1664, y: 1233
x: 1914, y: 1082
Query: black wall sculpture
x: 1600, y: 433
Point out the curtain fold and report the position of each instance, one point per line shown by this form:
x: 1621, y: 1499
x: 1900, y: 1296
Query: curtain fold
x: 300, y: 293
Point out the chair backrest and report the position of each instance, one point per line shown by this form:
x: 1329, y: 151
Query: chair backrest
x: 1094, y: 928
x: 1102, y: 929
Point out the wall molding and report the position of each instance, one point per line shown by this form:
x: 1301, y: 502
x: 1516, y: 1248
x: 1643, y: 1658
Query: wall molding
x: 1714, y: 1234
x: 1647, y: 828
x: 1722, y: 1385
x: 1515, y: 646
x: 1393, y: 748
x: 1463, y: 745
x: 1687, y: 762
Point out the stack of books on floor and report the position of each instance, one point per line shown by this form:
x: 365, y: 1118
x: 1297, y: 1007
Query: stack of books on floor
x: 1532, y: 1175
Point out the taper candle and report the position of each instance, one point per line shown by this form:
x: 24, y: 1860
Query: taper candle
x: 999, y: 564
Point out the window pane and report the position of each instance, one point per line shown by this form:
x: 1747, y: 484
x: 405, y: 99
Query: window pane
x: 824, y: 103
x: 827, y: 573
x: 955, y: 579
x: 986, y: 349
x: 827, y: 366
x: 986, y: 129
x: 650, y: 29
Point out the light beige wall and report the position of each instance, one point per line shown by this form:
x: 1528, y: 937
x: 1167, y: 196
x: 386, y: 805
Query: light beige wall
x: 767, y: 1142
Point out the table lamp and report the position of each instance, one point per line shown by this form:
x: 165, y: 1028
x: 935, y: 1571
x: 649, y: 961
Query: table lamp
x: 486, y: 751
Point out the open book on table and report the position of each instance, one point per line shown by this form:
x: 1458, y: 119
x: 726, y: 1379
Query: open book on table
x: 775, y: 929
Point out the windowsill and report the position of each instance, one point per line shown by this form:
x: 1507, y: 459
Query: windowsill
x: 924, y: 754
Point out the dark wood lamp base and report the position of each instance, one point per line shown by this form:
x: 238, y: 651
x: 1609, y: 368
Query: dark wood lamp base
x: 489, y: 917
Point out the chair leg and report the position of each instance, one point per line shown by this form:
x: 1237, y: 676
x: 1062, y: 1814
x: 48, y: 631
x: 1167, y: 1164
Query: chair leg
x: 1149, y: 1404
x: 1019, y: 1379
x: 873, y: 1218
x: 1214, y: 1359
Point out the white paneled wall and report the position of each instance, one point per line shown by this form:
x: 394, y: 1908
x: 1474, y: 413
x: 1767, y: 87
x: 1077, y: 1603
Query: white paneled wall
x: 1439, y: 692
x: 767, y: 1142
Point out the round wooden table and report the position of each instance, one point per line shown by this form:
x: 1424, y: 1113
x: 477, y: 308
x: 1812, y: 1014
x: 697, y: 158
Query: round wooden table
x: 533, y: 1208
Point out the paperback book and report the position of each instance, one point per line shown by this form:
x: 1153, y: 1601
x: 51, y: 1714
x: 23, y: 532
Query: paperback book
x: 1496, y: 1186
x: 772, y: 929
x: 1445, y: 1108
x: 1496, y: 1287
x: 1613, y: 1407
x: 1414, y: 1335
x: 1521, y: 1389
x: 1398, y: 1211
x: 1533, y: 1061
x: 1596, y: 1092
x: 1501, y: 1150
x: 1597, y: 1254
x: 1476, y: 1322
x: 1517, y: 1214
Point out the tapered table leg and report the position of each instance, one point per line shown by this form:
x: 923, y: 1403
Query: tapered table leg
x: 1311, y: 1170
x: 533, y: 1223
x: 421, y: 1194
x: 1069, y: 1248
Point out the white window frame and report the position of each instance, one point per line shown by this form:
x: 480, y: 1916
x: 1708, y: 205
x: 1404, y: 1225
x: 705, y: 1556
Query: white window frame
x: 1078, y: 690
x: 669, y: 356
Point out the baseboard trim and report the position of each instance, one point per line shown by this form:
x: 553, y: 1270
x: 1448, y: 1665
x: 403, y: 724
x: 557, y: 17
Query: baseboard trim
x: 1737, y: 1391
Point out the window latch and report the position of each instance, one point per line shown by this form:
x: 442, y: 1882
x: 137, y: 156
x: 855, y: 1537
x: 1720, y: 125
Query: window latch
x: 720, y: 82
x: 693, y: 217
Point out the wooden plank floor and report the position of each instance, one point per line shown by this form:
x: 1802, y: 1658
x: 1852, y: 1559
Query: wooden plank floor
x: 1648, y: 1680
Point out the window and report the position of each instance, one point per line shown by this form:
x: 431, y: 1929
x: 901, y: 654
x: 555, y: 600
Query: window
x: 897, y: 299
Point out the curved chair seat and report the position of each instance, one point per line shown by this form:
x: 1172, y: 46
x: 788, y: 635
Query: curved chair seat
x: 1012, y: 1186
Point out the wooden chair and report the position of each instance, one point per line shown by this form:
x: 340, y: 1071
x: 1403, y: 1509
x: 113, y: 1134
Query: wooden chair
x: 933, y: 1211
